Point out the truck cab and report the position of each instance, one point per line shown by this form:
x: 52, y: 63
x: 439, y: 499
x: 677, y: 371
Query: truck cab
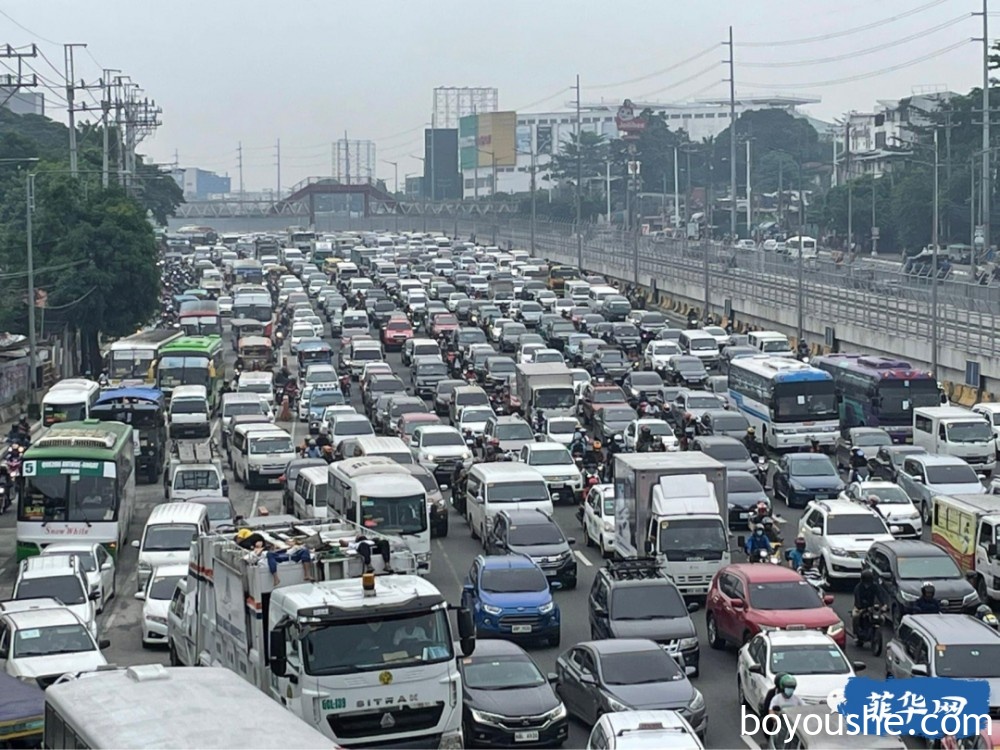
x: 194, y: 470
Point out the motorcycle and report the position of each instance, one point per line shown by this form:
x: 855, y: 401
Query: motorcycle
x: 761, y: 470
x: 815, y: 579
x: 763, y: 556
x: 870, y: 628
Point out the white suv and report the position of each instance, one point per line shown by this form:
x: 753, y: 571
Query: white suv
x: 554, y: 462
x: 62, y: 578
x: 840, y: 532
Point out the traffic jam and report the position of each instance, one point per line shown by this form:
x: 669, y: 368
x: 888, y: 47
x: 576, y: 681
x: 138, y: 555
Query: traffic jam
x: 426, y: 492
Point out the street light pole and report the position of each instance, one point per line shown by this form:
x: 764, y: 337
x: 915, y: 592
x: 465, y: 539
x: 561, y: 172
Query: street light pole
x: 29, y: 193
x: 677, y: 189
x: 800, y: 292
x: 934, y: 264
x: 532, y: 201
x: 395, y: 175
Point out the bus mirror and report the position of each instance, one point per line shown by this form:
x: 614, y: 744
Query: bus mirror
x: 279, y: 661
x: 466, y: 631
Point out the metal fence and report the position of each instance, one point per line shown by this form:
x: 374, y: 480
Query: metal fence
x: 871, y: 292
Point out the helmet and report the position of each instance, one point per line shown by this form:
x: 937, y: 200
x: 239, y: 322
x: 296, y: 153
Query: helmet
x: 787, y: 681
x: 867, y: 576
x: 762, y: 508
x: 992, y: 621
x: 618, y: 439
x: 928, y: 589
x: 312, y: 442
x: 800, y: 543
x: 597, y: 445
x: 767, y: 521
x: 645, y: 429
x: 751, y: 431
x: 808, y: 558
x: 982, y: 610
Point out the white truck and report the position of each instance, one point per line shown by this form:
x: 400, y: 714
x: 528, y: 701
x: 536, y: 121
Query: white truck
x: 365, y: 658
x: 194, y: 469
x: 967, y: 527
x: 547, y: 386
x: 672, y: 506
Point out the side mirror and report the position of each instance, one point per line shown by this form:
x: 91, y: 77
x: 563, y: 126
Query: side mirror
x: 756, y: 669
x: 693, y: 607
x: 738, y: 604
x: 570, y: 541
x: 991, y: 551
x: 859, y: 666
x: 598, y: 611
x: 552, y: 677
x: 279, y: 659
x: 139, y: 596
x: 108, y: 565
x: 466, y: 631
x: 104, y: 643
x: 828, y: 599
x: 480, y: 498
x: 588, y: 679
x: 816, y: 530
x: 95, y: 596
x: 917, y: 478
x: 918, y: 670
x: 225, y: 488
x: 135, y: 543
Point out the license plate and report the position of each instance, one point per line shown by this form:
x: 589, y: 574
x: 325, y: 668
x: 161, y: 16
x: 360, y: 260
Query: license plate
x: 744, y: 516
x: 557, y: 487
x: 521, y: 629
x: 525, y: 736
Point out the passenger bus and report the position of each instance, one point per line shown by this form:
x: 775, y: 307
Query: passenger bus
x: 879, y: 392
x: 77, y: 482
x: 192, y: 360
x: 69, y: 400
x: 200, y: 318
x: 248, y: 271
x: 789, y: 404
x: 256, y: 306
x: 212, y: 708
x: 130, y: 358
x: 559, y: 275
x: 809, y: 248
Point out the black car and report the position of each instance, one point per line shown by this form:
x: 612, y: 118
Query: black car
x: 613, y: 420
x: 642, y: 385
x: 887, y: 461
x: 625, y: 336
x: 534, y: 534
x: 613, y: 362
x: 651, y: 323
x: 903, y: 566
x: 382, y: 310
x: 686, y: 370
x: 501, y: 682
x: 615, y: 307
x: 559, y: 333
x: 634, y: 599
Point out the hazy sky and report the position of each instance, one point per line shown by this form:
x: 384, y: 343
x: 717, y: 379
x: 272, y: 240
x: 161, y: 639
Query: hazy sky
x: 305, y: 71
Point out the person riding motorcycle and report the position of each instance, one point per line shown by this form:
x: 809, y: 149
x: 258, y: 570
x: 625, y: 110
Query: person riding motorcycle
x: 579, y: 444
x: 597, y: 371
x: 927, y: 604
x: 785, y: 696
x: 857, y: 462
x: 771, y: 530
x: 645, y: 442
x: 688, y: 430
x: 750, y: 440
x: 281, y: 378
x: 539, y: 422
x: 757, y: 541
x: 865, y: 597
x: 808, y: 569
x: 802, y: 350
x: 758, y: 514
x: 794, y: 556
x: 984, y: 613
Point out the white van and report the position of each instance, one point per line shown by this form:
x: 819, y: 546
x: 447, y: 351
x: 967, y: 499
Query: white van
x: 493, y: 487
x: 360, y: 284
x: 261, y: 383
x: 955, y: 431
x: 61, y: 577
x: 390, y: 447
x: 700, y: 344
x: 69, y: 401
x: 771, y: 342
x: 235, y: 404
x: 167, y: 537
x: 346, y: 271
x: 309, y: 494
x: 260, y: 453
x: 597, y: 293
x: 576, y: 290
x: 189, y: 413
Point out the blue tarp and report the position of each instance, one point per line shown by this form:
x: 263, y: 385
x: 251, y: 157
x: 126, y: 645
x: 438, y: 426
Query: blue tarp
x: 153, y: 395
x: 22, y: 709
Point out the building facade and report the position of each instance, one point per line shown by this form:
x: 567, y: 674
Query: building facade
x: 23, y: 102
x: 199, y: 184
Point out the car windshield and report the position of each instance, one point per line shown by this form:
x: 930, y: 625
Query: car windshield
x: 513, y: 580
x: 353, y: 427
x: 527, y: 535
x: 609, y: 357
x: 56, y: 639
x: 956, y: 474
x: 687, y: 366
x: 85, y: 558
x: 665, y: 347
x: 474, y: 416
x: 617, y: 415
x: 266, y: 446
x: 685, y: 539
x: 164, y: 538
x: 784, y: 595
x: 888, y: 495
x: 67, y: 589
x: 514, y: 431
x: 703, y: 345
x: 425, y: 369
x: 189, y: 406
x: 162, y: 587
x: 653, y: 319
x: 971, y: 662
x: 626, y: 330
x: 549, y: 457
x: 870, y: 439
x: 809, y: 659
x: 500, y: 366
x: 657, y: 429
x: 500, y: 673
x: 820, y: 466
x: 639, y: 667
x: 855, y: 524
x: 442, y: 438
x: 196, y: 479
x: 517, y: 492
x: 394, y: 515
x: 608, y: 396
x: 932, y: 567
x: 652, y: 602
x: 221, y: 511
x: 728, y: 452
x: 730, y: 423
x: 642, y: 379
x: 742, y: 484
x: 562, y: 426
x: 969, y: 432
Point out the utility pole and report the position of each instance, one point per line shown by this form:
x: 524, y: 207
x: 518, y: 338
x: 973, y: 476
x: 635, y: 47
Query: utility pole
x: 121, y: 85
x: 677, y: 192
x: 431, y: 170
x: 874, y: 233
x: 579, y: 178
x: 986, y: 181
x: 934, y: 264
x: 395, y: 174
x: 29, y: 191
x: 347, y: 168
x: 533, y: 198
x: 732, y: 137
x: 847, y: 180
x: 239, y: 154
x: 14, y: 82
x: 749, y: 196
x: 70, y: 91
x: 105, y: 125
x: 277, y: 161
x: 781, y: 164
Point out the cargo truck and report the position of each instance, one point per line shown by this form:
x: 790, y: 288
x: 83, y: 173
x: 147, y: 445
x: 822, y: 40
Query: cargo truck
x: 547, y: 386
x: 966, y: 526
x: 366, y: 657
x: 672, y: 506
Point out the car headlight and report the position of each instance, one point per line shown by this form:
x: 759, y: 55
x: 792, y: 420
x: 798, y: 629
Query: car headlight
x: 609, y: 525
x: 430, y: 457
x: 481, y: 717
x: 697, y: 702
x: 557, y: 713
x: 157, y: 619
x: 796, y: 486
x: 838, y: 551
x: 491, y: 610
x: 835, y: 630
x: 144, y: 567
x: 908, y: 597
x: 914, y: 516
x: 686, y: 643
x: 970, y: 598
x: 616, y: 705
x: 546, y: 608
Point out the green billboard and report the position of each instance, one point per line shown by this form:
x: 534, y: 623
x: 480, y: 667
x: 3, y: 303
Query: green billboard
x: 468, y: 139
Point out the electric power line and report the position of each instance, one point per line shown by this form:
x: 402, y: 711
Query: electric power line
x: 860, y: 76
x: 682, y: 81
x: 560, y: 92
x: 845, y: 32
x: 60, y: 75
x: 861, y: 52
x: 25, y: 28
x: 655, y: 73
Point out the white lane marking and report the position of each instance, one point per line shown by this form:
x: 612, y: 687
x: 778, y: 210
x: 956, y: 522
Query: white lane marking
x: 583, y: 558
x: 110, y: 622
x: 252, y: 510
x: 447, y: 559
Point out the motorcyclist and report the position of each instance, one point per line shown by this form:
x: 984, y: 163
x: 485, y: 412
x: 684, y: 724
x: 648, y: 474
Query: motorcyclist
x: 239, y: 364
x: 688, y: 430
x: 814, y: 446
x: 808, y: 569
x: 984, y: 613
x: 928, y: 603
x: 323, y: 438
x: 794, y: 556
x: 578, y: 447
x: 597, y: 371
x: 282, y: 377
x: 750, y: 440
x: 645, y: 442
x: 802, y: 349
x: 758, y: 514
x: 865, y: 597
x: 539, y: 423
x: 102, y: 379
x: 857, y: 462
x: 771, y: 530
x: 785, y: 697
x: 757, y: 541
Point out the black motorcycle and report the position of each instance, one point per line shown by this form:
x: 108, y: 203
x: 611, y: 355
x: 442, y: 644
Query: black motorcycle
x: 870, y: 628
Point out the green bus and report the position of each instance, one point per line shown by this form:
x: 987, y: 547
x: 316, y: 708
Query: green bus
x: 77, y: 483
x: 192, y: 360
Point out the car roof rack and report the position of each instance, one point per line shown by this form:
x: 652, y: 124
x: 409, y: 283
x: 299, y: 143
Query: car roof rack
x: 635, y: 568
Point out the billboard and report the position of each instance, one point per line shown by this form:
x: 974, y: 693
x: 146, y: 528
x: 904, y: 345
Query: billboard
x: 485, y: 137
x: 441, y: 163
x: 523, y: 133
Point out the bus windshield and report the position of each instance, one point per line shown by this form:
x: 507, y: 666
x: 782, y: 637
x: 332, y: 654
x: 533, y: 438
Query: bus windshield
x: 51, y: 496
x: 394, y: 515
x: 174, y: 371
x: 898, y: 398
x: 202, y: 325
x: 252, y: 311
x: 52, y: 413
x: 131, y: 364
x: 808, y: 401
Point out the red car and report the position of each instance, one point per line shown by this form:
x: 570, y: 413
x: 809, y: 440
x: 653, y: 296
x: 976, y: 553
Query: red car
x: 747, y: 598
x: 395, y: 331
x: 597, y: 397
x: 443, y: 323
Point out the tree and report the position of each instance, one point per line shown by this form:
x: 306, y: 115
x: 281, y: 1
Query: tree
x: 158, y: 191
x: 593, y: 152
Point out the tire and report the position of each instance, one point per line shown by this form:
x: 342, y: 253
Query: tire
x: 877, y: 642
x: 715, y: 640
x: 570, y: 585
x: 741, y: 695
x: 555, y: 640
x: 174, y: 661
x: 823, y: 570
x: 981, y: 590
x: 472, y: 531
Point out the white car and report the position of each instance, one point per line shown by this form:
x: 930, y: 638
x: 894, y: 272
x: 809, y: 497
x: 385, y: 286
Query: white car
x: 561, y: 429
x: 718, y: 333
x: 543, y: 356
x: 599, y: 518
x: 497, y: 328
x: 658, y: 353
x: 641, y: 730
x: 438, y: 447
x: 301, y: 330
x: 62, y: 579
x: 892, y: 503
x: 473, y: 419
x: 155, y: 600
x: 812, y: 658
x: 316, y: 323
x: 991, y: 411
x: 44, y: 640
x: 97, y: 563
x: 527, y: 352
x: 349, y: 425
x: 659, y: 429
x: 581, y: 379
x: 840, y: 533
x: 557, y: 467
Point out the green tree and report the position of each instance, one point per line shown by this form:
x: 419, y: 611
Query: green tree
x: 158, y: 192
x: 913, y: 207
x: 593, y: 153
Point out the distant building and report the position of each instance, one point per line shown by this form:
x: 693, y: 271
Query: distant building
x: 22, y: 102
x: 199, y: 184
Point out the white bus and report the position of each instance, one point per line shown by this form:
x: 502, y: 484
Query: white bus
x: 789, y: 404
x: 806, y: 245
x: 132, y: 357
x: 69, y: 400
x: 209, y: 707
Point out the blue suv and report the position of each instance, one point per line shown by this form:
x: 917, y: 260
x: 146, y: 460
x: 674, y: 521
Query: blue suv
x: 509, y: 598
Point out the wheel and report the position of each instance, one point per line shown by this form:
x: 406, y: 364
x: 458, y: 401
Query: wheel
x: 570, y: 585
x: 145, y: 645
x: 174, y: 661
x: 555, y: 640
x: 823, y: 570
x: 877, y: 642
x: 741, y: 696
x: 443, y: 531
x: 715, y: 640
x: 925, y: 512
x: 472, y: 531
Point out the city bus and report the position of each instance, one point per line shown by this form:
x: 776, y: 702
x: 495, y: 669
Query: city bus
x: 788, y: 403
x: 213, y: 708
x: 192, y: 360
x: 248, y: 271
x: 130, y: 358
x: 255, y: 305
x: 200, y: 318
x: 77, y: 482
x: 879, y: 392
